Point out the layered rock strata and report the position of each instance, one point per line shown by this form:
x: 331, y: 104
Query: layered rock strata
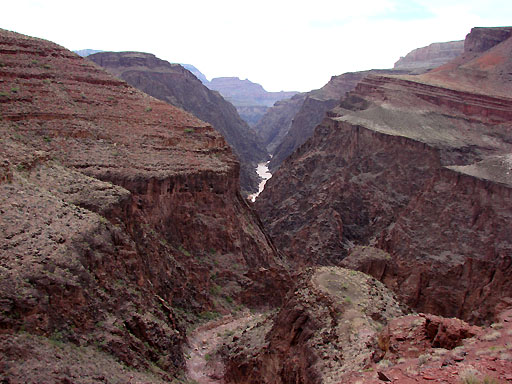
x: 177, y: 86
x: 431, y: 56
x: 121, y: 220
x: 420, y: 170
x: 288, y: 124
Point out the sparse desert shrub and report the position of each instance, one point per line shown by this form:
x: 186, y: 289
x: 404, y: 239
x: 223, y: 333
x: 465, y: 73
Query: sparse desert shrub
x: 471, y: 376
x: 209, y: 315
x: 492, y: 336
x: 215, y: 289
x: 422, y: 359
x: 189, y: 130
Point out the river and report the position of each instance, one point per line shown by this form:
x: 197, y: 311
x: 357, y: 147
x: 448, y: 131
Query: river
x: 263, y: 172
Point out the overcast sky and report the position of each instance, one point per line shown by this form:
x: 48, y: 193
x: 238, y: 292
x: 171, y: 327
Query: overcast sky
x: 283, y: 45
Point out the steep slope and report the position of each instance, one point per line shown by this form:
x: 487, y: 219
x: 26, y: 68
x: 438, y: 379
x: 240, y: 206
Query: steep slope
x: 485, y: 66
x: 286, y: 138
x: 419, y: 170
x: 196, y: 72
x: 121, y: 221
x: 431, y: 56
x: 327, y: 327
x: 250, y: 99
x: 276, y: 122
x: 177, y: 86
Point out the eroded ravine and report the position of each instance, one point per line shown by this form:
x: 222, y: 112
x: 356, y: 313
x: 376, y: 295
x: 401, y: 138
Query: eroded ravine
x: 203, y: 366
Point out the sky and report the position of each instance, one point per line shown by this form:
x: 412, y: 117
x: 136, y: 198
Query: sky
x: 283, y: 45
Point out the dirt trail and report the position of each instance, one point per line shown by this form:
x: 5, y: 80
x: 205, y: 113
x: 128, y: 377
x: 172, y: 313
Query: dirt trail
x: 202, y: 364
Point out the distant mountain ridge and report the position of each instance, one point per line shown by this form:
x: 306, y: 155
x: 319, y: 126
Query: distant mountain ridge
x: 87, y: 52
x: 250, y: 99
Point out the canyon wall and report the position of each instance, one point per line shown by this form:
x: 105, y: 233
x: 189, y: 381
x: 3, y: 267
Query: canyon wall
x: 291, y: 122
x: 177, y: 86
x: 420, y: 170
x: 121, y: 222
x: 250, y: 99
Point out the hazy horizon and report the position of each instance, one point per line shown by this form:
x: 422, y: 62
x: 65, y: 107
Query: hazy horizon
x: 290, y: 46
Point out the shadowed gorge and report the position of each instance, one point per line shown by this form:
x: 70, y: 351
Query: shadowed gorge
x: 380, y: 249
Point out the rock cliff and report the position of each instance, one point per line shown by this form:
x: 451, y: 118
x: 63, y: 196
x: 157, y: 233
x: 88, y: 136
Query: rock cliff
x: 327, y: 327
x: 121, y: 222
x: 177, y: 86
x: 431, y: 56
x: 418, y: 168
x: 342, y: 326
x: 288, y: 124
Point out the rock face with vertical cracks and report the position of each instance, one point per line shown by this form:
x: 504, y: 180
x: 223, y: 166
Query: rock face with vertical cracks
x: 174, y: 84
x: 420, y: 167
x: 120, y: 218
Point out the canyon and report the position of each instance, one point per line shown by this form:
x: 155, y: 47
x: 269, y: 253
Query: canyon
x: 177, y: 86
x: 418, y: 170
x: 122, y: 224
x: 380, y: 249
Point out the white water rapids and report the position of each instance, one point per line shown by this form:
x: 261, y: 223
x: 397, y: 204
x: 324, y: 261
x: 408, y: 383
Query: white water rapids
x: 264, y: 173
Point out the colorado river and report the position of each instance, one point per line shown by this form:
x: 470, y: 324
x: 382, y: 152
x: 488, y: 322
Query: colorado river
x: 264, y: 173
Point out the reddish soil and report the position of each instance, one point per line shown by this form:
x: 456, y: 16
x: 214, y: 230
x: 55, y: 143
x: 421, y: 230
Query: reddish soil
x: 204, y: 365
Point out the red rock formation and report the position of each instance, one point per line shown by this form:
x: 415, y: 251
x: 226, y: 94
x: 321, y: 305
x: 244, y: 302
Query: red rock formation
x: 290, y: 123
x: 177, y: 86
x: 327, y: 326
x: 412, y: 356
x: 420, y: 170
x: 120, y: 219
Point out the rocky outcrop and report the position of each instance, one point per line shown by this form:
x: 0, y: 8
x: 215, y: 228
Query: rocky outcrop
x: 419, y: 170
x: 177, y: 86
x: 247, y: 96
x: 431, y: 56
x: 121, y: 221
x: 328, y: 326
x: 333, y: 328
x: 426, y: 348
